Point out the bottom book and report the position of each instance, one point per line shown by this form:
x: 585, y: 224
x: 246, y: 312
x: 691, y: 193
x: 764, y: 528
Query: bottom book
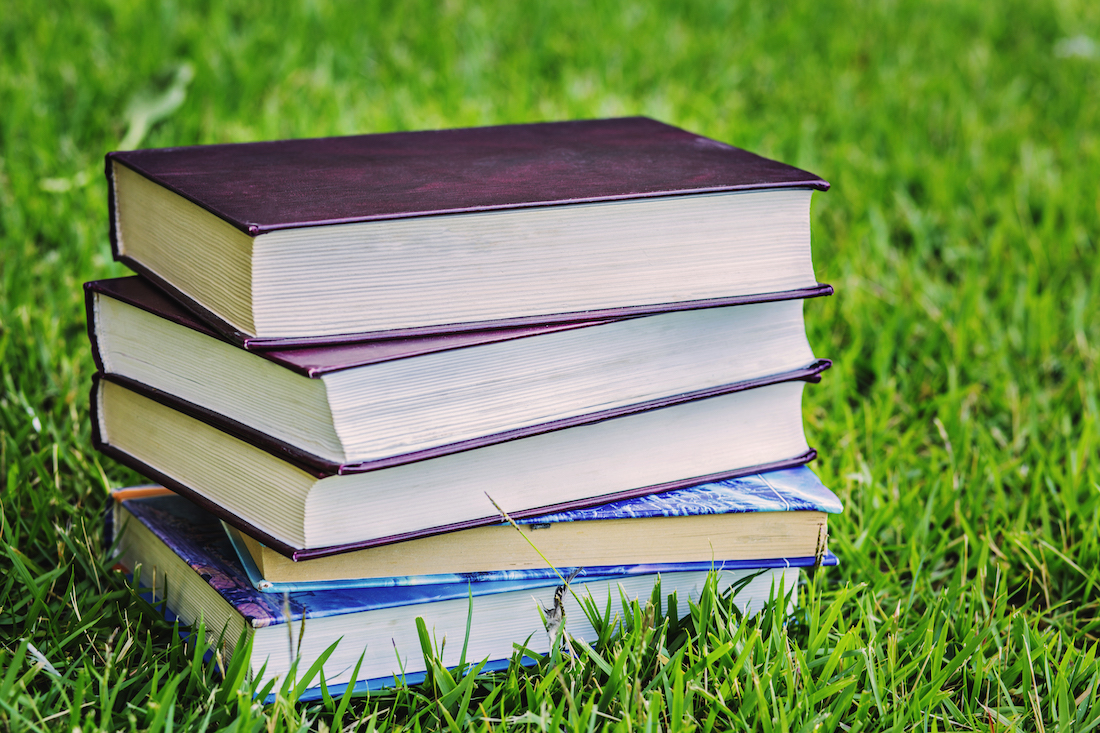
x: 184, y: 557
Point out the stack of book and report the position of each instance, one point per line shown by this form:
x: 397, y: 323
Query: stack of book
x: 351, y: 359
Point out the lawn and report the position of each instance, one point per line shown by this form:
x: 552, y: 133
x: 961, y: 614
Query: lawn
x: 960, y: 424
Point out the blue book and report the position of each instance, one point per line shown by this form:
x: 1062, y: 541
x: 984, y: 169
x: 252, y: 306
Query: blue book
x: 182, y: 555
x: 773, y: 519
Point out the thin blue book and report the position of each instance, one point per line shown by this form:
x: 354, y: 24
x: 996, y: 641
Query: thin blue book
x: 773, y: 519
x: 182, y: 555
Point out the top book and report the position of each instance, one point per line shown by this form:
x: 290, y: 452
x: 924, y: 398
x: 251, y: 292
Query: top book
x: 299, y: 242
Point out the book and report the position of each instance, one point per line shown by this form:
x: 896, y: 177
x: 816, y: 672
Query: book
x: 295, y: 242
x: 180, y: 554
x: 771, y: 519
x: 303, y: 510
x: 414, y: 398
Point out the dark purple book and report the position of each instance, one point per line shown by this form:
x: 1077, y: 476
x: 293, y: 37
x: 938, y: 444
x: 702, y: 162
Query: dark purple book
x: 293, y: 242
x: 742, y: 429
x: 399, y: 400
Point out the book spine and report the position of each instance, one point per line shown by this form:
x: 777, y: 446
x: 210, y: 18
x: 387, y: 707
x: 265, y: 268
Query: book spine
x: 112, y: 205
x: 91, y: 321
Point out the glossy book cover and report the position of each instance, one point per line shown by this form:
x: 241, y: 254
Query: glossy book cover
x: 380, y: 621
x: 785, y: 490
x: 200, y: 540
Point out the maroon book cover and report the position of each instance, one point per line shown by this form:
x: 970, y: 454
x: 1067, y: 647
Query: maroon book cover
x: 285, y: 184
x: 267, y: 186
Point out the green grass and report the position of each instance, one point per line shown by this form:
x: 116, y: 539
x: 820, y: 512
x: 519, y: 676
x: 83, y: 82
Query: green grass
x: 959, y: 425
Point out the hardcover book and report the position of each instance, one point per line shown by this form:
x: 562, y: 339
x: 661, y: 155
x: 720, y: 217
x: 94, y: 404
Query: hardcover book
x: 420, y: 397
x: 182, y: 556
x: 772, y: 519
x: 308, y: 509
x: 305, y: 241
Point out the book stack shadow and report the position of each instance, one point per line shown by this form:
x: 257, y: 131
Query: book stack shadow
x: 437, y: 374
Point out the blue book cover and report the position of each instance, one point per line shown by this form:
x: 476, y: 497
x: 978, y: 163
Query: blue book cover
x: 183, y: 557
x: 785, y: 490
x: 201, y: 540
x: 198, y: 539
